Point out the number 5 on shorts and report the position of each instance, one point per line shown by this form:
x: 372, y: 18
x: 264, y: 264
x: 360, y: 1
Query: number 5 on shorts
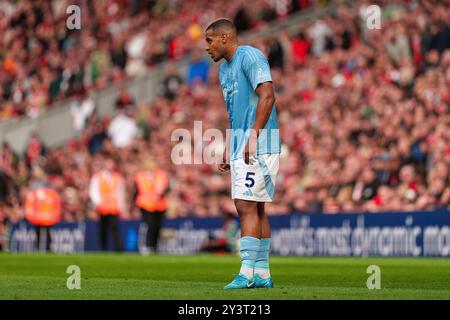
x: 249, y: 178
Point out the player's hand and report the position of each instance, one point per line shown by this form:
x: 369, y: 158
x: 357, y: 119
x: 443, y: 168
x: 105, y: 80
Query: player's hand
x: 225, y: 165
x: 250, y: 150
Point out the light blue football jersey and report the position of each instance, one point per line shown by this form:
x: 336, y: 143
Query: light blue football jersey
x: 239, y: 79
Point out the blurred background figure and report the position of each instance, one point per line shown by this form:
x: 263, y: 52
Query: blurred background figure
x: 123, y: 128
x: 107, y: 193
x: 172, y: 83
x: 8, y: 165
x: 3, y: 230
x: 225, y: 239
x: 198, y: 69
x: 81, y: 109
x: 34, y: 150
x: 151, y: 189
x: 8, y: 160
x: 42, y: 208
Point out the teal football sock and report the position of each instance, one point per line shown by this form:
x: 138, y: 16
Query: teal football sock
x: 262, y: 259
x: 249, y: 247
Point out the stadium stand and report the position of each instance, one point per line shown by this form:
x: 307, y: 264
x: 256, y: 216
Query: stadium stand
x: 364, y: 118
x: 42, y: 61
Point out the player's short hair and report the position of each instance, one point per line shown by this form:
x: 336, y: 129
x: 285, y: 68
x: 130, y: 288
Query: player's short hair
x: 222, y: 25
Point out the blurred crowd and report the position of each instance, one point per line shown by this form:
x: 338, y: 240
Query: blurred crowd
x: 43, y: 61
x: 364, y: 119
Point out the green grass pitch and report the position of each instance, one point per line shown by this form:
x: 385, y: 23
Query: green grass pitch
x: 127, y: 276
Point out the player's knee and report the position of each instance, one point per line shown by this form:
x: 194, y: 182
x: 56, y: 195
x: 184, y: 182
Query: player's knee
x: 244, y: 207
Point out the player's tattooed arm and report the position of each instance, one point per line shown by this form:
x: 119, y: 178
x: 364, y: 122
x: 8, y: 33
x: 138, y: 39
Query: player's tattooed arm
x: 225, y: 165
x: 266, y: 100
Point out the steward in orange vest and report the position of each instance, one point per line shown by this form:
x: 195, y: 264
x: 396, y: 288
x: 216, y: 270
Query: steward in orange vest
x: 43, y: 210
x: 151, y: 188
x: 107, y: 193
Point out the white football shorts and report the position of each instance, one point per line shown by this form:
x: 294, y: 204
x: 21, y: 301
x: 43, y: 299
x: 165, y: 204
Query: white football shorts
x: 254, y: 182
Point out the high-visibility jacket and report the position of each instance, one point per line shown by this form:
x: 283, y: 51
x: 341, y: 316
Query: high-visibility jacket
x: 151, y: 186
x: 110, y: 191
x: 43, y: 207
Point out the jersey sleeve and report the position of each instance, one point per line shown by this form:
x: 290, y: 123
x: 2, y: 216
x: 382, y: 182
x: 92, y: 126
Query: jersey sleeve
x: 256, y: 68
